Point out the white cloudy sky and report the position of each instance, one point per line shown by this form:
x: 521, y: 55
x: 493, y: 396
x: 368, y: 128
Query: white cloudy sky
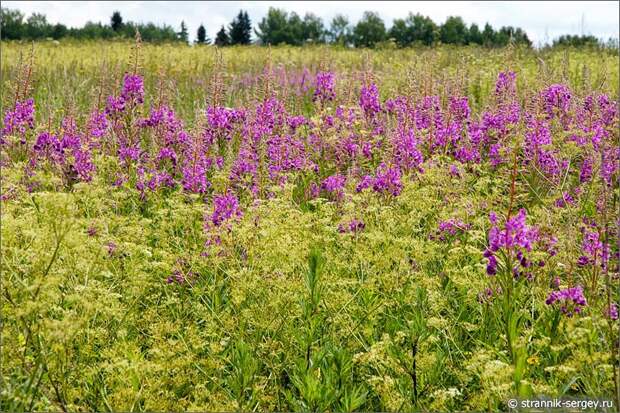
x: 543, y: 21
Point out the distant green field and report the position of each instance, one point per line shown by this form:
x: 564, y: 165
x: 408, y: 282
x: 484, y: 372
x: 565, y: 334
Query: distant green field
x: 69, y: 74
x: 307, y: 229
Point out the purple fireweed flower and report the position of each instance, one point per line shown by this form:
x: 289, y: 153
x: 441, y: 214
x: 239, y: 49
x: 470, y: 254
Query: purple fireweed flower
x: 324, y: 87
x: 167, y: 153
x: 570, y: 301
x: 564, y: 200
x: 20, y: 118
x: 334, y: 185
x: 295, y: 122
x: 369, y: 99
x: 313, y: 190
x: 488, y: 295
x: 514, y: 237
x: 506, y: 84
x: 592, y: 248
x: 97, y: 125
x: 179, y: 278
x: 495, y: 155
x: 406, y: 154
x: 285, y: 153
x: 585, y: 173
x: 352, y: 226
x: 133, y: 88
x: 225, y: 207
x: 83, y: 164
x: 387, y: 180
x: 516, y: 233
x: 132, y: 94
x: 244, y: 171
x: 610, y: 164
x: 450, y: 228
x: 365, y: 182
x: 454, y: 171
x: 556, y: 100
x: 459, y: 109
x: 111, y: 248
x: 428, y: 113
x: 612, y: 311
x: 194, y: 172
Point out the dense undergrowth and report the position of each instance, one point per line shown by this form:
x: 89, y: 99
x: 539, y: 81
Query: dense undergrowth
x: 431, y: 230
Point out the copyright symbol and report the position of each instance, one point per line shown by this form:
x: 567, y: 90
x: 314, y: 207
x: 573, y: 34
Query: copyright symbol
x: 512, y: 403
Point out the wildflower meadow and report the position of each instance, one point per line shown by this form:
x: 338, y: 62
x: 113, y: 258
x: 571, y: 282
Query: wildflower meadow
x: 317, y: 229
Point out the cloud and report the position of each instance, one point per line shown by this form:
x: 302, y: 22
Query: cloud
x: 543, y: 21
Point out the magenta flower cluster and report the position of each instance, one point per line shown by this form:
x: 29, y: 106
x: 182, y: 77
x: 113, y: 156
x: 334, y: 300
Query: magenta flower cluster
x: 515, y: 238
x: 353, y: 226
x: 570, y: 301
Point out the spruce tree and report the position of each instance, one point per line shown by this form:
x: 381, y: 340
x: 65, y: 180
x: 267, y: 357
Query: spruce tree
x: 201, y: 35
x: 183, y: 34
x: 116, y: 21
x: 221, y: 38
x: 240, y: 29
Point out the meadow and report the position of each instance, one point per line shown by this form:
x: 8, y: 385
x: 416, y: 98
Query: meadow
x: 307, y: 229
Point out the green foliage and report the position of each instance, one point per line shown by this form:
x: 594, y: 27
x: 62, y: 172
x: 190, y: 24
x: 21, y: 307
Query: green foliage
x: 278, y: 27
x: 201, y: 35
x: 14, y: 27
x: 453, y: 31
x: 340, y: 30
x: 116, y: 21
x: 222, y: 38
x: 369, y: 31
x: 273, y: 28
x: 415, y: 29
x: 240, y: 29
x: 183, y: 35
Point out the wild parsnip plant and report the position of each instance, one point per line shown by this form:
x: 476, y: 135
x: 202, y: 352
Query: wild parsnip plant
x: 316, y: 229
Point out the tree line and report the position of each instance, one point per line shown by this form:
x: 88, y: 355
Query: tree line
x: 281, y: 27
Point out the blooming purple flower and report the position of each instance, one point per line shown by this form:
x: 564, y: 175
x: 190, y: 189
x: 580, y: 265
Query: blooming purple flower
x: 506, y: 84
x: 133, y: 88
x: 571, y: 300
x: 454, y: 171
x: 556, y: 100
x: 387, y: 180
x: 111, y: 248
x: 369, y: 99
x: 585, y: 173
x: 179, y: 278
x: 450, y: 228
x: 225, y: 207
x: 334, y: 185
x: 353, y: 226
x: 514, y: 237
x: 612, y: 311
x: 564, y: 200
x: 324, y: 87
x: 97, y: 124
x: 132, y: 94
x: 406, y: 153
x: 20, y: 118
x: 488, y: 295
